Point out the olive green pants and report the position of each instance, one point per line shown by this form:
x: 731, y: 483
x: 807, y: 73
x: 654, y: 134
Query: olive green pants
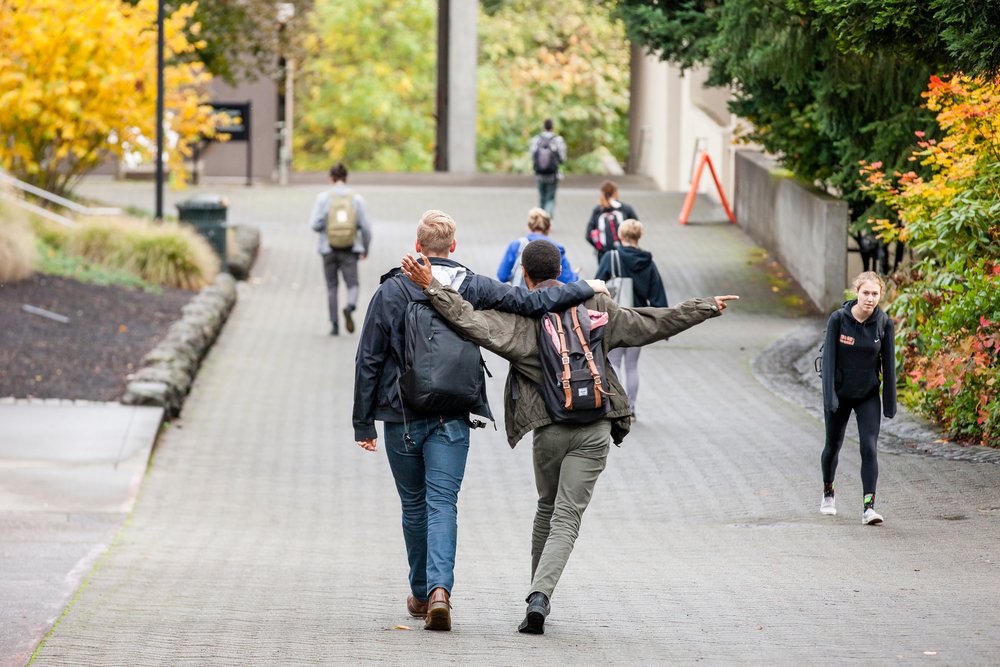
x: 568, y: 460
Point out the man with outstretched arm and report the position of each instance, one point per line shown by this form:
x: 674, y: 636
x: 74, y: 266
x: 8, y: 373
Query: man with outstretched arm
x: 427, y: 452
x: 568, y: 458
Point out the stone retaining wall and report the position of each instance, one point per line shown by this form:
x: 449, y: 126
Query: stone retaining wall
x: 806, y: 229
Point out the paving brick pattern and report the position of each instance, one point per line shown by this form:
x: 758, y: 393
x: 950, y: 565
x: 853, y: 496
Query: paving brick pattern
x: 263, y: 535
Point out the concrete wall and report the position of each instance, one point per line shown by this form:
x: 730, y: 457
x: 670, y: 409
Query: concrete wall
x: 806, y: 229
x: 463, y: 49
x: 672, y: 114
x: 229, y: 159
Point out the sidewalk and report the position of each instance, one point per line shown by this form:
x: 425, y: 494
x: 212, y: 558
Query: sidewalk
x: 69, y: 476
x: 264, y: 535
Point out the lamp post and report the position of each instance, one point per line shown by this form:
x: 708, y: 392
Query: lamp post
x: 285, y: 12
x: 159, y: 109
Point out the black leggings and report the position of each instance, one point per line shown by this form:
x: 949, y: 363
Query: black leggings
x: 869, y: 414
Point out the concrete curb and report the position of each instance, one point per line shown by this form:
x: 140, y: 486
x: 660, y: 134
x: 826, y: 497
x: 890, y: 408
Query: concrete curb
x: 241, y: 256
x: 168, y: 370
x: 786, y: 368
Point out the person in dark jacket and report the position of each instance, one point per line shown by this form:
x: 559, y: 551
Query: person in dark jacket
x: 606, y: 218
x: 630, y: 261
x: 427, y: 452
x: 858, y: 348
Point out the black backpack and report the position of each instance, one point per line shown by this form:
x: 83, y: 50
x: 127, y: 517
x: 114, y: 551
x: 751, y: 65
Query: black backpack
x: 883, y: 319
x: 574, y: 383
x: 546, y: 158
x: 441, y: 373
x: 606, y: 233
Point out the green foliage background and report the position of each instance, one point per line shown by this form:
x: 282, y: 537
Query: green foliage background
x: 366, y: 93
x: 567, y: 61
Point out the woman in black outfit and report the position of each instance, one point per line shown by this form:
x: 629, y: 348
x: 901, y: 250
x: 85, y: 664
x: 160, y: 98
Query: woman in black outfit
x: 606, y: 218
x: 859, y: 344
x: 647, y: 290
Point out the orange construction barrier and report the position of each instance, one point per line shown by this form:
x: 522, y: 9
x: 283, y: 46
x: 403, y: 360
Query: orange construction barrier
x: 689, y: 200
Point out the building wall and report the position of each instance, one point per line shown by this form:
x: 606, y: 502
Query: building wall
x: 672, y: 115
x: 805, y: 228
x: 229, y: 159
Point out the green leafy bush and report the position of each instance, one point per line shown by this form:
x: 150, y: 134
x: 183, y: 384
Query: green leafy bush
x: 948, y: 303
x: 168, y: 254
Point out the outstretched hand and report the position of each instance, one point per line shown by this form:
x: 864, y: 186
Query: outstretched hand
x: 720, y: 301
x: 418, y: 270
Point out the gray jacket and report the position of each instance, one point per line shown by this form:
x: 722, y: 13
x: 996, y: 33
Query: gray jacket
x: 321, y: 208
x: 560, y: 146
x: 515, y: 338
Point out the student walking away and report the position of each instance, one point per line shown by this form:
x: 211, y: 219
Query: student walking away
x: 606, y: 219
x: 857, y: 349
x: 539, y: 226
x: 548, y: 153
x: 340, y: 220
x: 560, y: 388
x: 631, y: 262
x: 426, y: 414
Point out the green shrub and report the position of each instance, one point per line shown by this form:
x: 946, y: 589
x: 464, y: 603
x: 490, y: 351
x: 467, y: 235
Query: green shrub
x: 17, y: 246
x: 57, y: 262
x: 166, y: 254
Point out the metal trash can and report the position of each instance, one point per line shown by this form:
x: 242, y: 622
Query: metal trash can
x: 207, y: 214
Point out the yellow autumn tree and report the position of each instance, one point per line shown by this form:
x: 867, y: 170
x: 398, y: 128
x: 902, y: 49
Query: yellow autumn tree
x: 78, y: 85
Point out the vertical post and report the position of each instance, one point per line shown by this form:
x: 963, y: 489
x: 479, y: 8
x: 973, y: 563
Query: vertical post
x: 289, y: 114
x: 159, y: 109
x: 249, y: 143
x: 441, y: 106
x: 463, y: 18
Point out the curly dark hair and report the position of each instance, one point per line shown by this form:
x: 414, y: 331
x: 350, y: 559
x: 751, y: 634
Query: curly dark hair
x: 541, y: 260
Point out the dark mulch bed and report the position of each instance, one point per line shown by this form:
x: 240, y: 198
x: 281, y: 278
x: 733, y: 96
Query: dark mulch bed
x: 110, y: 330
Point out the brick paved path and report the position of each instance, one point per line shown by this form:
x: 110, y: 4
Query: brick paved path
x: 263, y: 535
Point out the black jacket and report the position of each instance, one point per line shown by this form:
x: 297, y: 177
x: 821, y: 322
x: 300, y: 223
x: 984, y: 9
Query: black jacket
x: 638, y: 265
x: 382, y: 336
x: 594, y: 236
x: 854, y: 353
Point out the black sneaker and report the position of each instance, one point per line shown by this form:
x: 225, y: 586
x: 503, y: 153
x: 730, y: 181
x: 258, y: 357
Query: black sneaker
x: 348, y: 320
x: 334, y: 330
x: 534, y: 617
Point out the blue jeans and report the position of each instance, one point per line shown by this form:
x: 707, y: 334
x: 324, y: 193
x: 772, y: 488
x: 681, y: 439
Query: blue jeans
x: 428, y: 473
x: 547, y: 195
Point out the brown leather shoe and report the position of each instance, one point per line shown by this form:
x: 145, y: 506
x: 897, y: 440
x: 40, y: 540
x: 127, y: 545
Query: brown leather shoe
x: 417, y: 608
x: 438, y: 611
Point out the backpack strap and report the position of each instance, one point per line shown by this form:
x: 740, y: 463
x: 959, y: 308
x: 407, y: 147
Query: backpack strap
x: 616, y: 265
x: 564, y: 353
x: 589, y: 356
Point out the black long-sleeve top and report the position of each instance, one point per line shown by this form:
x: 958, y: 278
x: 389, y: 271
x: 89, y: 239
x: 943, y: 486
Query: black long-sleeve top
x: 637, y: 264
x: 855, y: 354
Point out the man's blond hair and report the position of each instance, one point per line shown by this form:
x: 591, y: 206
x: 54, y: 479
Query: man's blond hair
x: 630, y: 230
x: 436, y: 231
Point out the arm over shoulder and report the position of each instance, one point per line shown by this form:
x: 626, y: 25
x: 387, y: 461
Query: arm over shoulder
x: 534, y: 303
x: 496, y: 331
